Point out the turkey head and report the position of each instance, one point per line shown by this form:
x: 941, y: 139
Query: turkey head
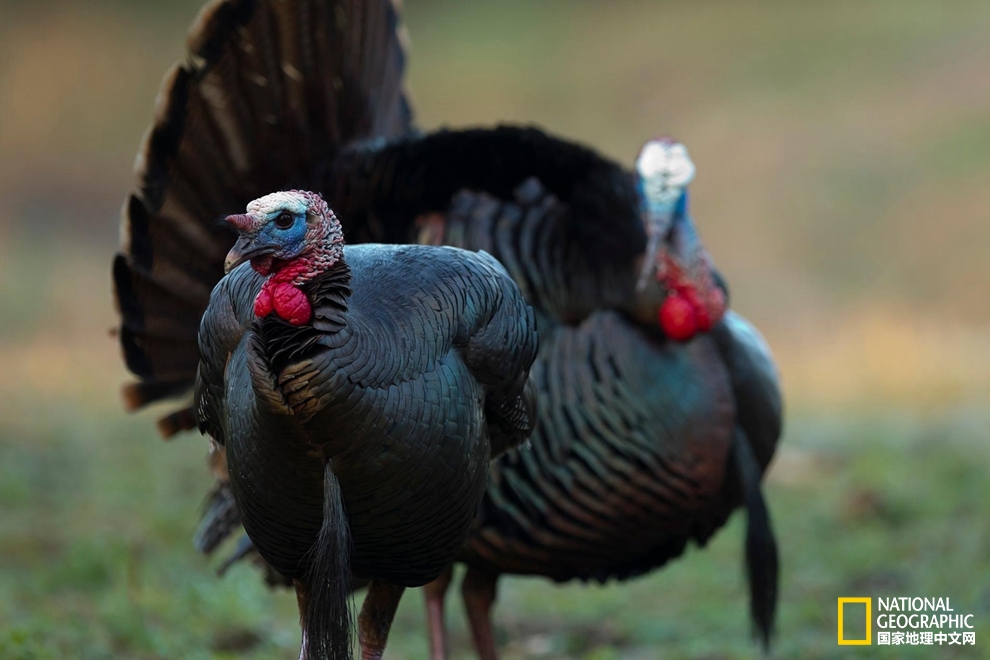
x: 291, y: 236
x: 694, y: 302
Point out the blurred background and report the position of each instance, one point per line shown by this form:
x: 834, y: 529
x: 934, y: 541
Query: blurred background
x: 843, y: 154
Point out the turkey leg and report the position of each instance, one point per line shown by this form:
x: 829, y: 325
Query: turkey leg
x: 376, y: 617
x: 435, y: 592
x: 478, y: 590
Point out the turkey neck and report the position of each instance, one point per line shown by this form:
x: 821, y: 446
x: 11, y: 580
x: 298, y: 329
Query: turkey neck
x: 279, y: 344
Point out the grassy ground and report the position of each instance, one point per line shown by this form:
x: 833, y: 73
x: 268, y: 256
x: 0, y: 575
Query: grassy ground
x: 97, y: 517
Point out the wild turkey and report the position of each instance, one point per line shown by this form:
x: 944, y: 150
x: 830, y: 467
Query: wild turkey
x: 658, y: 409
x: 642, y: 444
x: 570, y: 227
x: 359, y: 394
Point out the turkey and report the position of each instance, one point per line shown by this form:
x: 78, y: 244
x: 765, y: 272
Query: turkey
x: 642, y: 444
x: 658, y: 408
x: 359, y: 394
x: 355, y: 395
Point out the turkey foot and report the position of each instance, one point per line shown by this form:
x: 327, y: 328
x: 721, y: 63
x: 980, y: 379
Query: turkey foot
x: 435, y: 592
x: 376, y: 617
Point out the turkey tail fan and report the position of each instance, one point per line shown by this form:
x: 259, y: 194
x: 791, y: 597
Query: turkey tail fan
x: 269, y: 92
x: 382, y: 190
x: 328, y: 611
x: 761, y: 546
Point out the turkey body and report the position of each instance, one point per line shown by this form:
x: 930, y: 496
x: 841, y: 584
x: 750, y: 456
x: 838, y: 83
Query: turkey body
x: 409, y: 347
x: 642, y: 445
x: 634, y: 453
x: 628, y: 458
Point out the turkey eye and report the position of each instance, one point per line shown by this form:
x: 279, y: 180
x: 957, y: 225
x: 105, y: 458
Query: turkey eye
x: 284, y: 221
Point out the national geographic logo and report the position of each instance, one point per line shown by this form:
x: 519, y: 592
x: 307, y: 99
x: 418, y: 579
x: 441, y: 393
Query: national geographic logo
x: 903, y: 620
x: 867, y: 639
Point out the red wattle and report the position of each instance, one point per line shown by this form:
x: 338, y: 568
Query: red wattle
x: 263, y: 304
x: 702, y: 318
x: 280, y: 295
x: 678, y: 318
x: 291, y: 303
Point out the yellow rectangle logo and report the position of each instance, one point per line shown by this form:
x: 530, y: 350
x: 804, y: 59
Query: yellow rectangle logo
x: 856, y: 642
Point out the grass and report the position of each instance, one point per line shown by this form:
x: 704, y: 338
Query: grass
x: 98, y: 562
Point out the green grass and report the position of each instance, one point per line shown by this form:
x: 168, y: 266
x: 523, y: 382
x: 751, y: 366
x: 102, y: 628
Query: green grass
x: 97, y: 559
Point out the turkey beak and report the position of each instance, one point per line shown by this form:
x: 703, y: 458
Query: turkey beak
x: 244, y: 249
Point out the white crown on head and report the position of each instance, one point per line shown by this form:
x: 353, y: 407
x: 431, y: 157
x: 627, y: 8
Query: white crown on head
x: 665, y: 169
x: 289, y: 200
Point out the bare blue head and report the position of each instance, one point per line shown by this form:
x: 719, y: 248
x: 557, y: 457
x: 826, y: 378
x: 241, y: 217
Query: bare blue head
x: 663, y: 172
x: 284, y: 226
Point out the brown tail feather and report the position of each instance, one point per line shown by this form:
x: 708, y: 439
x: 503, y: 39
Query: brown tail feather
x: 138, y: 395
x: 270, y: 91
x: 183, y: 419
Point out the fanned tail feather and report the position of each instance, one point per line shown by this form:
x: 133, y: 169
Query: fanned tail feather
x: 381, y: 189
x: 175, y: 422
x: 269, y: 93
